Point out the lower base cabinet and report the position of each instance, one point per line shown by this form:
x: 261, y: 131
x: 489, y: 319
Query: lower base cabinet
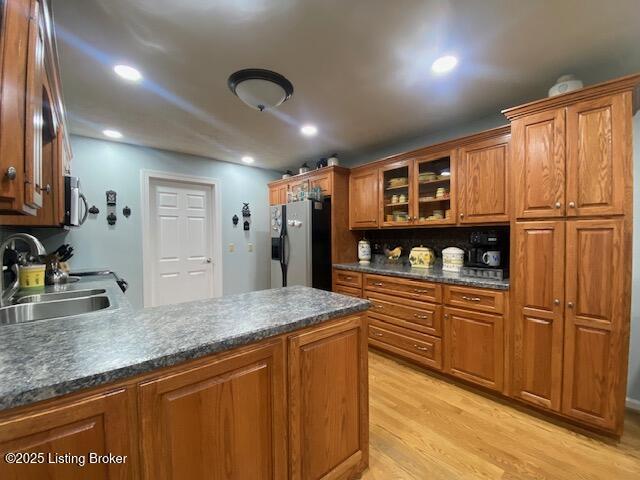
x: 56, y: 439
x: 328, y: 402
x: 474, y: 348
x: 294, y: 406
x: 224, y: 419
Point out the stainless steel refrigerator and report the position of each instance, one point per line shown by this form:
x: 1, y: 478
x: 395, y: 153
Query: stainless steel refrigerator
x: 301, y: 244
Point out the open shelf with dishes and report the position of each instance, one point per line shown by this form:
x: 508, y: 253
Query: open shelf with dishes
x: 434, y: 178
x: 397, y: 191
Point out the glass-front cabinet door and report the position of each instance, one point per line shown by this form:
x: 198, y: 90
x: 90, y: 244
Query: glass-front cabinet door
x: 397, y: 198
x: 434, y: 186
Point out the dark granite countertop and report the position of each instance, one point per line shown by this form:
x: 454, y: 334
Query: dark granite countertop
x: 435, y: 274
x: 48, y: 358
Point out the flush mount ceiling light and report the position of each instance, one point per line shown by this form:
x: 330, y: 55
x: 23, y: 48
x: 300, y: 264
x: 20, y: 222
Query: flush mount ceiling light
x: 260, y: 89
x: 309, y: 130
x: 128, y: 73
x: 111, y: 133
x: 247, y: 159
x: 444, y: 64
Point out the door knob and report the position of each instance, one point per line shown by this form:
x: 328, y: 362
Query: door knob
x: 11, y: 173
x: 209, y: 260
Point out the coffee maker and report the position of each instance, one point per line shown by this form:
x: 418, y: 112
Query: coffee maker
x: 481, y: 243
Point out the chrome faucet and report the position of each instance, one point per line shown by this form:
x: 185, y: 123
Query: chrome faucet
x: 35, y: 247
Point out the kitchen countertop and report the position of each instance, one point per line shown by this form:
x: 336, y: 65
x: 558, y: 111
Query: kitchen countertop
x: 434, y: 274
x: 48, y: 358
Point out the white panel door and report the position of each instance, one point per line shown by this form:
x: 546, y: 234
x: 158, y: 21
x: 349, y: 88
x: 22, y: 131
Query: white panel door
x: 181, y: 242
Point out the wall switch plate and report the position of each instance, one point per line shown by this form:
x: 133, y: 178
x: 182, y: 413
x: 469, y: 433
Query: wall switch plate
x: 232, y: 247
x: 249, y: 247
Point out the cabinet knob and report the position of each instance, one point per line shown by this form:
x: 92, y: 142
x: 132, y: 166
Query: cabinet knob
x: 462, y: 215
x: 11, y: 173
x: 446, y: 315
x: 572, y: 204
x: 556, y: 301
x: 47, y: 188
x: 570, y: 304
x: 558, y: 204
x: 408, y: 218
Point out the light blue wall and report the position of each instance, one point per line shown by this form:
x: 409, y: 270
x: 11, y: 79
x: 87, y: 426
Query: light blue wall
x: 103, y: 165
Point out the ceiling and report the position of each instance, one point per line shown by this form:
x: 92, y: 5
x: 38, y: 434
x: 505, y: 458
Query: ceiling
x: 360, y: 68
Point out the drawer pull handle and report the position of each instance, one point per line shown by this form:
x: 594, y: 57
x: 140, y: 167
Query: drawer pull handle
x: 379, y: 306
x: 422, y: 317
x: 422, y: 349
x: 470, y: 299
x: 347, y: 277
x: 376, y: 334
x: 419, y: 290
x: 378, y: 284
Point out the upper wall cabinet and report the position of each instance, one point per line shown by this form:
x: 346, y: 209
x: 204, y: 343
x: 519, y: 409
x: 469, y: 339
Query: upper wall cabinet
x: 572, y: 154
x: 30, y: 107
x: 434, y: 185
x: 483, y: 181
x: 598, y: 142
x: 363, y: 198
x: 539, y: 164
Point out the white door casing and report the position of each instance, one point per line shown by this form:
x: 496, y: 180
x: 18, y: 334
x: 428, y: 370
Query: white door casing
x: 181, y: 234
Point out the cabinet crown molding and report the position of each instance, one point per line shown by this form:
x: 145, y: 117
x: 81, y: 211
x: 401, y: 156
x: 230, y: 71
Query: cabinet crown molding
x: 624, y: 84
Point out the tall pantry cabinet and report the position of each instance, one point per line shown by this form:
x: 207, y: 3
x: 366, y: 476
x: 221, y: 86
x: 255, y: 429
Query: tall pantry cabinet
x: 571, y: 238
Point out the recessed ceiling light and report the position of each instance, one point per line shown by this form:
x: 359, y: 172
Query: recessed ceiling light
x: 111, y: 133
x: 444, y: 64
x: 309, y: 130
x: 128, y: 73
x: 247, y: 159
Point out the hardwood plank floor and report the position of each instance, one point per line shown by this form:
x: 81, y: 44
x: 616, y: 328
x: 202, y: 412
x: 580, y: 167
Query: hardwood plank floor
x: 423, y: 427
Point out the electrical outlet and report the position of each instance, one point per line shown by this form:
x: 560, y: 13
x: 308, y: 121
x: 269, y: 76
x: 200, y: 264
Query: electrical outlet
x: 232, y: 247
x: 249, y: 247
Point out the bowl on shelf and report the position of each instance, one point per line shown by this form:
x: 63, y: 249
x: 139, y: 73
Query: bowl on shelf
x: 398, y: 182
x: 427, y: 176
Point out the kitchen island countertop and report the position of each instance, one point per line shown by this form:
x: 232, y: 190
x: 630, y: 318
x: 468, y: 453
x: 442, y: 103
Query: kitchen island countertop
x: 48, y: 358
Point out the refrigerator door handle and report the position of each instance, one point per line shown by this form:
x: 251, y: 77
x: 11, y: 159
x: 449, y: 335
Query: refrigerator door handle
x: 283, y: 258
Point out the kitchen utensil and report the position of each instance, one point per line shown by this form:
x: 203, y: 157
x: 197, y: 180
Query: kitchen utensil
x: 421, y: 257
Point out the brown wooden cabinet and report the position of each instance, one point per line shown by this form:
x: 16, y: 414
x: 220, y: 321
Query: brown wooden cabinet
x: 396, y: 194
x: 98, y: 424
x: 278, y: 193
x: 483, y: 181
x: 433, y: 173
x: 595, y: 323
x: 30, y: 109
x: 539, y: 252
x: 328, y: 401
x: 598, y: 146
x: 364, y: 206
x: 222, y: 419
x: 473, y: 347
x: 538, y: 156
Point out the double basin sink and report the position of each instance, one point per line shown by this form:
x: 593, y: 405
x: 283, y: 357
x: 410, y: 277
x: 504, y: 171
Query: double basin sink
x: 44, y: 306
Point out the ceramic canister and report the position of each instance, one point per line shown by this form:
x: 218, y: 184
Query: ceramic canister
x: 364, y: 251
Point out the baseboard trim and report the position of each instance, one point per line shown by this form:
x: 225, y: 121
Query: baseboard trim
x: 633, y: 404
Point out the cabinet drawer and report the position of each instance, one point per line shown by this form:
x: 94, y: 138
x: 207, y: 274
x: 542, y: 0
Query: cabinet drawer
x: 422, y: 348
x: 351, y: 291
x: 347, y: 278
x: 475, y: 298
x: 413, y: 289
x: 423, y: 317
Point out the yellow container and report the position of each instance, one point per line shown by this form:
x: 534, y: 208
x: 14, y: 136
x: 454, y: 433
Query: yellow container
x: 31, y: 276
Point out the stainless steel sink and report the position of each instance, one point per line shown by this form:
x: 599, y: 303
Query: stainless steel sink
x: 48, y: 297
x: 29, y: 312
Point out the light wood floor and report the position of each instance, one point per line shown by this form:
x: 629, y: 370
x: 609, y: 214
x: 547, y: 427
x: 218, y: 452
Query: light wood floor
x: 428, y: 429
